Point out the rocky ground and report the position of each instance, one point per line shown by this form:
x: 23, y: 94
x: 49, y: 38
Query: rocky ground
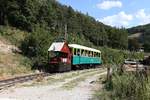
x: 75, y: 85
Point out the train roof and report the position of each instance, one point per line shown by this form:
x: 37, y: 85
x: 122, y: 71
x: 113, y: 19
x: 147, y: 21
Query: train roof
x: 83, y: 47
x: 56, y: 46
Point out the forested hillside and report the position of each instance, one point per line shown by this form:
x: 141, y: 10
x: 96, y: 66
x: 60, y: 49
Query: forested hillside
x: 45, y: 20
x: 145, y: 37
x: 27, y: 14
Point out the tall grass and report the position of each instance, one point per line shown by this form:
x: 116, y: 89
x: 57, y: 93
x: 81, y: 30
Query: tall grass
x: 128, y: 86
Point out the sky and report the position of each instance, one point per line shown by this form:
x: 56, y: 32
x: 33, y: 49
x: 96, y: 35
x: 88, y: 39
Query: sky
x: 118, y: 13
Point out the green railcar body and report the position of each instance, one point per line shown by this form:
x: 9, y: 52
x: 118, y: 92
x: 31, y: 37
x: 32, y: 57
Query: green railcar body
x: 77, y: 60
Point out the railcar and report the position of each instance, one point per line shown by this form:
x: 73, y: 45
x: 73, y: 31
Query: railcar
x: 65, y: 57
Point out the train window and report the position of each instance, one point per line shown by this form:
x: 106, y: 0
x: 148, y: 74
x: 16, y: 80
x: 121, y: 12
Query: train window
x: 82, y: 52
x: 89, y: 53
x: 63, y: 55
x: 85, y: 53
x: 78, y: 52
x: 98, y: 54
x: 94, y: 54
x: 74, y: 51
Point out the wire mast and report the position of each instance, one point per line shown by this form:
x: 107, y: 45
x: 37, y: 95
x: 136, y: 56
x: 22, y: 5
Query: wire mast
x: 66, y: 35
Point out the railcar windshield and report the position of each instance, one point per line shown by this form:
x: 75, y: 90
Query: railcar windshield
x: 57, y: 54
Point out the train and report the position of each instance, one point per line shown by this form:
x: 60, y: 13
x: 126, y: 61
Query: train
x: 65, y: 57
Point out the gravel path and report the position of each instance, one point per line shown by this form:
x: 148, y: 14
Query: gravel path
x: 83, y: 91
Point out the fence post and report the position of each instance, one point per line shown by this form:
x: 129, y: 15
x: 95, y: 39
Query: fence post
x: 109, y: 73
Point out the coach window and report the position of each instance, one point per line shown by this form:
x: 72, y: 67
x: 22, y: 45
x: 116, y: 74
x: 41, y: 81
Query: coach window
x: 78, y: 52
x: 82, y: 53
x: 93, y: 54
x: 89, y: 53
x: 96, y: 54
x: 86, y: 53
x: 74, y: 51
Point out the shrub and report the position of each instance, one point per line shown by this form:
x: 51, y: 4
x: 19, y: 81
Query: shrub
x: 127, y: 86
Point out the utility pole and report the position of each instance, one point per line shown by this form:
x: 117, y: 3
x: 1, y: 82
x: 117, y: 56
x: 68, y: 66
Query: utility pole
x: 66, y: 35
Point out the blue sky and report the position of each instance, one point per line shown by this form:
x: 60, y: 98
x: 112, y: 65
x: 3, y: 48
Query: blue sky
x: 119, y: 13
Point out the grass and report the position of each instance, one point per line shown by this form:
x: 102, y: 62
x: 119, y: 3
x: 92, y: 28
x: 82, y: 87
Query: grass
x: 60, y: 77
x: 13, y: 64
x: 76, y: 81
x: 128, y: 86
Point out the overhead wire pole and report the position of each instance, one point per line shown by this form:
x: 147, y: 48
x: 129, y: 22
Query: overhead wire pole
x: 66, y: 35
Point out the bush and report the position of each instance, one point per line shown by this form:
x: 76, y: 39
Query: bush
x: 128, y: 86
x: 36, y: 44
x: 113, y: 56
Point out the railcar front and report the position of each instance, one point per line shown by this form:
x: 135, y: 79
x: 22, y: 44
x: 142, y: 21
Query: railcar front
x: 59, y: 57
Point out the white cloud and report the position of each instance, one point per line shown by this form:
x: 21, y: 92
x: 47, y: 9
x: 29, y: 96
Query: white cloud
x: 109, y: 4
x: 142, y: 17
x: 118, y: 20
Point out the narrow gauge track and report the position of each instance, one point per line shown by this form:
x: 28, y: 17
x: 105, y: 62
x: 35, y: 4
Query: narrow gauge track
x: 12, y: 81
x: 21, y: 79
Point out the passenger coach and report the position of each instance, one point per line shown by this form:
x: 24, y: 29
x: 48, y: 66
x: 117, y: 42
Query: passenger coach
x: 83, y: 56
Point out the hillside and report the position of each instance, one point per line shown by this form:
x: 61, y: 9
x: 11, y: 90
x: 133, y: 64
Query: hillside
x: 41, y: 22
x: 11, y: 62
x: 52, y: 16
x: 144, y: 36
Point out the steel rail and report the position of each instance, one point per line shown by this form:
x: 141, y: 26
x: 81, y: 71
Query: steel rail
x: 20, y: 79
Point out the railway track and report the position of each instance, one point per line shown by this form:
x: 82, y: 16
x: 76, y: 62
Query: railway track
x: 12, y: 81
x: 21, y: 79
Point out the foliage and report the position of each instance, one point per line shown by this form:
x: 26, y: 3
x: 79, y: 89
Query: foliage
x: 113, y: 56
x: 27, y: 14
x: 128, y: 86
x: 36, y: 44
x: 15, y: 36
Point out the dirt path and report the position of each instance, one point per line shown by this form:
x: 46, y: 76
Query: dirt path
x: 80, y: 88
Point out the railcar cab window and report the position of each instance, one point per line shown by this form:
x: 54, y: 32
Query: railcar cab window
x: 57, y: 54
x: 53, y: 54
